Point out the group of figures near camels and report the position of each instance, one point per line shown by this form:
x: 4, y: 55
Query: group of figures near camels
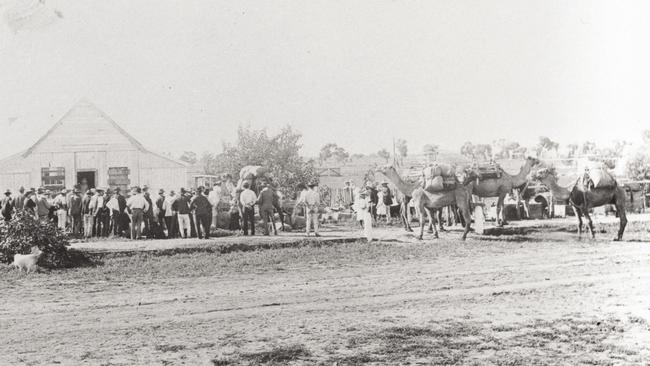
x: 581, y: 195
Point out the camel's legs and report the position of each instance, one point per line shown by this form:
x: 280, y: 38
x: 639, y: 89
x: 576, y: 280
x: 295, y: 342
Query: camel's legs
x: 467, y: 218
x: 440, y: 221
x: 578, y: 213
x: 620, y: 210
x: 404, y: 215
x: 501, y: 217
x: 590, y: 223
x: 420, y: 212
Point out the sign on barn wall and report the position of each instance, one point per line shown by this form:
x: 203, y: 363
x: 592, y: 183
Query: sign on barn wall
x: 119, y: 177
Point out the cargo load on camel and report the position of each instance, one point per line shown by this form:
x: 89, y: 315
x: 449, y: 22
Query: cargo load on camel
x: 439, y: 177
x: 251, y: 174
x: 596, y: 175
x: 487, y: 171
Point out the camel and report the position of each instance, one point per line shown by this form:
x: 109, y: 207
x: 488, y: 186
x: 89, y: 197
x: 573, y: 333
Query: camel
x: 426, y: 202
x: 500, y: 187
x: 582, y: 201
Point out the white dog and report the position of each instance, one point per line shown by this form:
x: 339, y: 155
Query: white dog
x: 27, y: 261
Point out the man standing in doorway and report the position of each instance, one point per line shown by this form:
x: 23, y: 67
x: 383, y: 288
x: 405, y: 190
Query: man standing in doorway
x: 87, y: 213
x: 74, y: 210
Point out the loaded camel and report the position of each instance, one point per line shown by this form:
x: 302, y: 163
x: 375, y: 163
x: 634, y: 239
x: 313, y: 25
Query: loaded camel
x: 426, y: 201
x: 582, y: 200
x: 500, y: 187
x: 403, y: 196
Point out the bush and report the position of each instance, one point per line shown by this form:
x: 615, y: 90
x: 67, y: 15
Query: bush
x: 23, y: 232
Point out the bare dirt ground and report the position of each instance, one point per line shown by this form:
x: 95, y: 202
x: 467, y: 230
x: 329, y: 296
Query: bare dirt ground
x: 528, y: 296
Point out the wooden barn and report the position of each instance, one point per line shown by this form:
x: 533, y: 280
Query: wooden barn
x: 88, y: 148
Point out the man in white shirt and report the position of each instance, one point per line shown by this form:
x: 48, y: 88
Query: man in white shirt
x: 248, y: 198
x: 137, y: 204
x: 214, y: 197
x: 170, y: 221
x: 61, y: 204
x: 312, y: 202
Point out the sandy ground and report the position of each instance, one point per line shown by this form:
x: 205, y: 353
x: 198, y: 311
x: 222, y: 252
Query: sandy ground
x: 533, y: 297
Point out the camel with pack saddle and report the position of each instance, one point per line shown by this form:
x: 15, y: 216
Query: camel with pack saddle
x: 500, y: 186
x: 427, y: 202
x: 582, y: 197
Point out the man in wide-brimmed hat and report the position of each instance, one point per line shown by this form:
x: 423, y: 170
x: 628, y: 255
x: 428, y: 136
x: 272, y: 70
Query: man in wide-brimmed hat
x: 312, y: 205
x: 75, y: 211
x: 42, y: 204
x: 7, y: 206
x: 61, y: 204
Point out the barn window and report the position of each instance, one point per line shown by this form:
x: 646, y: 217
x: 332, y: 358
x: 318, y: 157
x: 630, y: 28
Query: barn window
x: 53, y: 178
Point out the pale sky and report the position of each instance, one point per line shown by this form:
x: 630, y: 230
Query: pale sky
x: 182, y: 75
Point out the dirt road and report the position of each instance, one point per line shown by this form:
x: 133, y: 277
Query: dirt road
x: 545, y: 299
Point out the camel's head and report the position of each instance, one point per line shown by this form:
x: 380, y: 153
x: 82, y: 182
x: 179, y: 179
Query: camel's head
x: 532, y: 162
x: 543, y: 173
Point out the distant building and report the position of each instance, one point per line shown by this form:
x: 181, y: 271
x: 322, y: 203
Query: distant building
x: 88, y: 148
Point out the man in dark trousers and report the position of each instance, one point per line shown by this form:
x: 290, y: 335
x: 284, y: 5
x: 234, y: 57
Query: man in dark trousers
x: 148, y: 215
x: 7, y: 206
x: 74, y: 211
x: 265, y: 203
x: 202, y: 209
x: 123, y: 228
x: 374, y: 200
x: 160, y: 205
x: 247, y: 199
x: 19, y: 200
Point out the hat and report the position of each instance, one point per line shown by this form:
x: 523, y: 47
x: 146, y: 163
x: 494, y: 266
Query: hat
x: 313, y: 183
x: 161, y: 191
x: 76, y: 190
x: 100, y: 189
x: 92, y: 190
x: 7, y: 192
x: 183, y: 190
x: 384, y: 184
x: 118, y: 189
x: 217, y: 183
x: 40, y: 190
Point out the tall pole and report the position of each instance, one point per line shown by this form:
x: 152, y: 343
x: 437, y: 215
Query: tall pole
x: 394, y: 155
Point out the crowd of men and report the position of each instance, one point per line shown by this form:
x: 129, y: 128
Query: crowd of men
x: 104, y: 212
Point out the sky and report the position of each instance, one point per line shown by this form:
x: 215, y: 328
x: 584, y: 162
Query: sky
x: 183, y: 75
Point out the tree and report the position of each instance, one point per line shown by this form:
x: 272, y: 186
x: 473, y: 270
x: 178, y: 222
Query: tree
x: 546, y: 144
x: 588, y: 147
x: 467, y: 150
x: 431, y: 151
x: 573, y: 148
x: 280, y: 154
x: 402, y: 149
x: 384, y: 154
x: 505, y: 148
x: 332, y: 150
x: 189, y: 157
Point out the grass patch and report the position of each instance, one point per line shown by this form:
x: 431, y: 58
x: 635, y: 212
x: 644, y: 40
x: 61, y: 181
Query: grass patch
x: 280, y: 355
x: 565, y: 341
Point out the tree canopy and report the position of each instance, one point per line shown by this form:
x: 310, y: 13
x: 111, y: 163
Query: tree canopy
x: 279, y: 153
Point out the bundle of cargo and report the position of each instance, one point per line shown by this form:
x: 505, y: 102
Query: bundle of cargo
x: 250, y: 174
x: 487, y: 171
x: 439, y: 177
x: 596, y: 175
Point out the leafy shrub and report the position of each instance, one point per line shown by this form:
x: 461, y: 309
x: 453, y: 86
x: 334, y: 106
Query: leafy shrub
x: 23, y: 232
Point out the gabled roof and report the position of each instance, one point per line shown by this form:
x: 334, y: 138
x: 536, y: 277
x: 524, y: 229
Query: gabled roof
x: 85, y: 104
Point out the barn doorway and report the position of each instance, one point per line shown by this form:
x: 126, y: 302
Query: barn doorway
x: 86, y: 180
